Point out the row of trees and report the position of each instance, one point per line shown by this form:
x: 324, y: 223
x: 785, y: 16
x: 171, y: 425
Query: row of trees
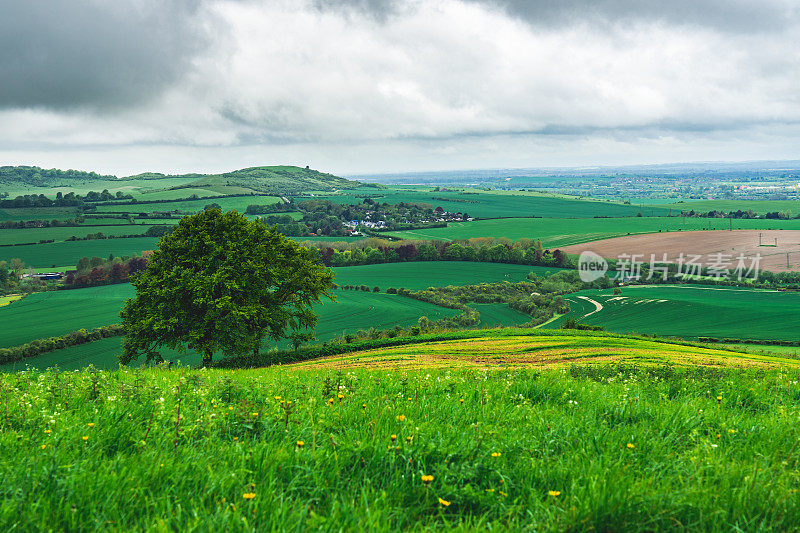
x: 441, y: 251
x: 40, y: 346
x: 98, y: 271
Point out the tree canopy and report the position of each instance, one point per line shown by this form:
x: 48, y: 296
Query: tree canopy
x: 219, y: 282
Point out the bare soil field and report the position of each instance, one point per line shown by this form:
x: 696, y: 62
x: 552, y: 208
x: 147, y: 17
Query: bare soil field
x: 775, y: 245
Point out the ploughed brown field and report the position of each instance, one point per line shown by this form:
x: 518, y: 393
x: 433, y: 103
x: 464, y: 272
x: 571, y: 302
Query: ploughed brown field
x: 706, y: 244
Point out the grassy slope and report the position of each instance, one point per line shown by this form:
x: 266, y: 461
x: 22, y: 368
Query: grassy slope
x: 608, y: 449
x: 562, y: 232
x: 277, y: 179
x: 692, y: 311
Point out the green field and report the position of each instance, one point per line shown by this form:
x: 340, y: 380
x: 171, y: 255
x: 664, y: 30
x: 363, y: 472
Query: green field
x: 494, y: 204
x: 59, y: 312
x: 417, y: 275
x: 691, y: 311
x: 235, y: 203
x: 759, y: 206
x: 563, y: 231
x: 499, y: 315
x: 580, y: 448
x: 68, y: 253
x: 17, y: 236
x: 80, y: 186
x: 54, y: 313
x: 38, y: 213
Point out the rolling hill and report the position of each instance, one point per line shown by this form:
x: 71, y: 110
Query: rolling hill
x: 281, y: 180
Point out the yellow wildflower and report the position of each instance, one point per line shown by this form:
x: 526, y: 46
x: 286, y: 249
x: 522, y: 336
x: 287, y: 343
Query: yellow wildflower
x: 496, y: 454
x: 427, y: 479
x: 46, y: 431
x: 330, y: 401
x: 341, y: 396
x: 90, y: 424
x: 554, y: 493
x: 400, y: 418
x: 85, y: 437
x: 393, y: 437
x: 44, y: 446
x: 249, y: 495
x: 630, y: 446
x: 444, y: 502
x: 300, y: 444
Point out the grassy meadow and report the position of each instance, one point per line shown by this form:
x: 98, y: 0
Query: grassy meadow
x: 382, y: 448
x: 690, y: 311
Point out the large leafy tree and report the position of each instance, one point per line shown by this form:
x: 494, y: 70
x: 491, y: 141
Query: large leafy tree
x: 219, y: 282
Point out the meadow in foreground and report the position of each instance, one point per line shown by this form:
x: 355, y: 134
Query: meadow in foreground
x: 605, y: 447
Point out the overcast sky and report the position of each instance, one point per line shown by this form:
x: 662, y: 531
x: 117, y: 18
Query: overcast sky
x: 361, y: 86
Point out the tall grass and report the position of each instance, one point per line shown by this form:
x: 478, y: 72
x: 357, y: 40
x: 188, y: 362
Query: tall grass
x: 613, y: 447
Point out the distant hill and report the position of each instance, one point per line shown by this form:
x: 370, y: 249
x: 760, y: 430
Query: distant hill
x: 272, y: 180
x: 278, y: 180
x: 41, y: 177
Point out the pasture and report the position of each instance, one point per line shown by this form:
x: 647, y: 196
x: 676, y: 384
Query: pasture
x: 386, y: 446
x: 559, y: 232
x: 689, y: 311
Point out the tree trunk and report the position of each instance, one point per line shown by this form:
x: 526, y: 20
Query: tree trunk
x: 207, y: 355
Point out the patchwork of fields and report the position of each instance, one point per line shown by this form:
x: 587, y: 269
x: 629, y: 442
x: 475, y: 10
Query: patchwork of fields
x: 780, y: 252
x: 60, y: 312
x: 234, y: 203
x: 689, y: 311
x: 68, y: 253
x: 555, y: 232
x: 494, y: 204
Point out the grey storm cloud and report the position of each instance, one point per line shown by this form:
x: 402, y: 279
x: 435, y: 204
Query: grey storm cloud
x: 721, y: 15
x: 457, y: 79
x: 66, y: 54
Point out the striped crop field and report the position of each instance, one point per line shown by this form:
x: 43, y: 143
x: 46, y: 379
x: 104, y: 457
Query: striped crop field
x: 689, y: 311
x: 519, y: 348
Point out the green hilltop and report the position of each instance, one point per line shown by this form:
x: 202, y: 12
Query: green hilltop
x: 42, y: 177
x: 269, y: 179
x: 278, y: 180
